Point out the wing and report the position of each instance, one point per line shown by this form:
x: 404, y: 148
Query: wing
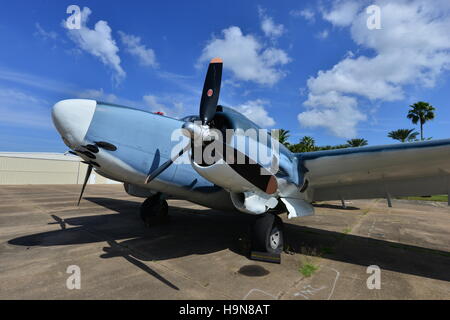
x: 419, y: 168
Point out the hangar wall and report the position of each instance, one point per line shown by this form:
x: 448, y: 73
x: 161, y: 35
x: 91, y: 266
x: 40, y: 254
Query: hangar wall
x: 45, y: 168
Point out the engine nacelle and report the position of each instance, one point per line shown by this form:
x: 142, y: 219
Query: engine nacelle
x: 221, y: 174
x: 136, y: 191
x: 253, y: 203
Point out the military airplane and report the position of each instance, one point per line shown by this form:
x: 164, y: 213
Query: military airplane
x: 137, y: 148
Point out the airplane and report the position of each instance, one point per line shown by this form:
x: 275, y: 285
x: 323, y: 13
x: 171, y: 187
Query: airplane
x: 136, y: 147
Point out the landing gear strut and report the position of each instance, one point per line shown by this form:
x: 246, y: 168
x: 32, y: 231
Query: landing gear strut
x: 267, y: 234
x: 154, y: 211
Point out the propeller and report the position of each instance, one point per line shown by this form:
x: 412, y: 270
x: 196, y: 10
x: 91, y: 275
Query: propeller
x: 165, y: 165
x: 86, y: 178
x: 250, y: 170
x: 211, y: 91
x: 208, y: 106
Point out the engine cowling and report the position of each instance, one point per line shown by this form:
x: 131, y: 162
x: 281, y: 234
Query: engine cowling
x: 136, y: 191
x: 253, y: 203
x: 221, y: 174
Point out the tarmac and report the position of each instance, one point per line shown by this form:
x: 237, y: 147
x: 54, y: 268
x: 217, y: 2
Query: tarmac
x: 202, y: 253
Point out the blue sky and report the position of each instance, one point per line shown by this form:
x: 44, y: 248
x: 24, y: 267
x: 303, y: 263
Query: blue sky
x: 312, y: 67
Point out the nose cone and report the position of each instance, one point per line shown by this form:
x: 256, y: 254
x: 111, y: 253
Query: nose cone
x: 72, y: 119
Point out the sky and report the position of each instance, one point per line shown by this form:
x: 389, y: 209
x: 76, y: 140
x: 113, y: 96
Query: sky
x: 320, y: 68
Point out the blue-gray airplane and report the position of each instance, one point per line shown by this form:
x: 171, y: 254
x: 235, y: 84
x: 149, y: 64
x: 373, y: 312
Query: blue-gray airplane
x: 136, y: 147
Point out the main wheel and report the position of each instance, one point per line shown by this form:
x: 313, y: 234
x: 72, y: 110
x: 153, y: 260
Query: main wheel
x: 267, y: 234
x: 154, y: 211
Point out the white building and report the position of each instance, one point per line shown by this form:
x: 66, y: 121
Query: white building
x: 44, y: 168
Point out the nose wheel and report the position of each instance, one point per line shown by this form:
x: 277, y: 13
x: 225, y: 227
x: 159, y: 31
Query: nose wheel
x: 154, y: 211
x: 267, y: 234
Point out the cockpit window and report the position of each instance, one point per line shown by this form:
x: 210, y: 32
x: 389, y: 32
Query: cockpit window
x: 190, y: 119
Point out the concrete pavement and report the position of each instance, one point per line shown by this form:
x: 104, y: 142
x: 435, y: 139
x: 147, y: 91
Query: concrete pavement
x: 201, y: 253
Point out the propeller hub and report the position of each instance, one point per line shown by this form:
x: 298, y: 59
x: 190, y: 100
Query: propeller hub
x: 197, y: 132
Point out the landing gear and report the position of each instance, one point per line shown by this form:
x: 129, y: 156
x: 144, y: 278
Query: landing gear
x: 267, y: 234
x: 154, y: 211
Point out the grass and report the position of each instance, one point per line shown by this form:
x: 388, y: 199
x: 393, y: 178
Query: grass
x: 308, y: 269
x: 440, y: 198
x: 347, y: 230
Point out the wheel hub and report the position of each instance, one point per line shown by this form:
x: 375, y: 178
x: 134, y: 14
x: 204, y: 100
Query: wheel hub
x: 275, y: 240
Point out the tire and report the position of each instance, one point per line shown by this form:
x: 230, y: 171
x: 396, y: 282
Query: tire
x: 147, y: 207
x: 267, y: 234
x: 154, y: 211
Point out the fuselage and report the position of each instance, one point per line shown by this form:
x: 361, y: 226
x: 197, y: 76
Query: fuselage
x: 143, y: 142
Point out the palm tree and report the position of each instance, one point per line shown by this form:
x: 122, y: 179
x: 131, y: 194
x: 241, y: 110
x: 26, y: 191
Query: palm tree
x: 283, y: 136
x: 357, y: 142
x: 306, y: 144
x: 404, y: 135
x: 421, y: 112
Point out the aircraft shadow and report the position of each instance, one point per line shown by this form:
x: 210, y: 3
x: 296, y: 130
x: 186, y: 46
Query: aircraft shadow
x: 193, y: 231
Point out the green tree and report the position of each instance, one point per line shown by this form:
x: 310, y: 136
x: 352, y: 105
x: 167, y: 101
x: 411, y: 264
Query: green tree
x: 357, y: 142
x: 306, y: 144
x: 421, y: 112
x: 283, y: 136
x: 404, y: 135
x: 339, y: 146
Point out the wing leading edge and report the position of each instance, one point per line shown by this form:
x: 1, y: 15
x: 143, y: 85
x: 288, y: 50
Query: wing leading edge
x: 409, y: 169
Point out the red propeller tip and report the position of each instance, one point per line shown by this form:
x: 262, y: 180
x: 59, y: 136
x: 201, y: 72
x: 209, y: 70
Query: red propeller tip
x: 216, y: 60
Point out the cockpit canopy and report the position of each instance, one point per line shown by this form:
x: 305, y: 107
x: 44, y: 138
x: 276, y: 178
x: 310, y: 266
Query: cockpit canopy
x: 191, y: 118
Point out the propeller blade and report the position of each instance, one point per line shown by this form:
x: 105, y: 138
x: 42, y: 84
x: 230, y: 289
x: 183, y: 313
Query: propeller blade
x: 165, y: 165
x: 211, y: 90
x: 250, y: 170
x: 86, y: 178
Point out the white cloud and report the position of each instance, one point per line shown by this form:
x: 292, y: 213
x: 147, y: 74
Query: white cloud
x: 248, y: 59
x: 333, y: 111
x: 322, y: 34
x: 255, y: 111
x: 98, y: 95
x: 268, y: 26
x: 45, y: 34
x: 133, y: 46
x: 98, y: 42
x: 34, y: 81
x: 18, y: 108
x: 153, y: 102
x: 306, y: 14
x: 343, y: 12
x: 367, y: 77
x: 411, y: 49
